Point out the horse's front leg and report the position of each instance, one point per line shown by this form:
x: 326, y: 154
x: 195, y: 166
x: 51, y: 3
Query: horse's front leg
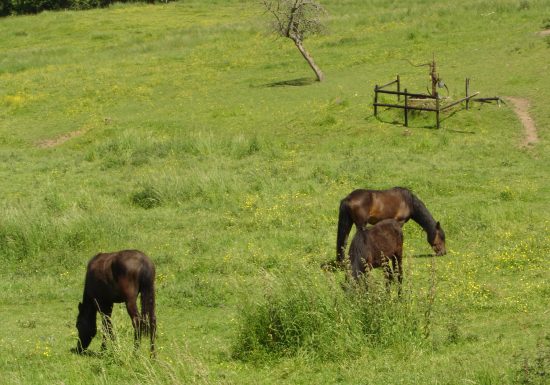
x: 131, y: 307
x: 396, y: 262
x: 399, y: 261
x: 106, y: 310
x: 388, y: 273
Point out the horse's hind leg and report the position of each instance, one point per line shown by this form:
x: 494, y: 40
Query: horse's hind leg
x: 131, y: 306
x: 388, y: 273
x: 106, y: 310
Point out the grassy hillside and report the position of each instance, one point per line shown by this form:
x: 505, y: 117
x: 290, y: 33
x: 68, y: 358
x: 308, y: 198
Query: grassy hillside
x: 166, y: 128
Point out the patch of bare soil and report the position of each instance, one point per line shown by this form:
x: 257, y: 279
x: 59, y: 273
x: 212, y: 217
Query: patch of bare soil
x: 48, y: 143
x: 521, y: 108
x: 545, y: 32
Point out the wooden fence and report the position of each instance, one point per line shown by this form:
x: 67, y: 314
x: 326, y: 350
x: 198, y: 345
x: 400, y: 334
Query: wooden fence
x: 439, y: 106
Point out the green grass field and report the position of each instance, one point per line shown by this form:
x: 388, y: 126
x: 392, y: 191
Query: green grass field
x: 158, y: 127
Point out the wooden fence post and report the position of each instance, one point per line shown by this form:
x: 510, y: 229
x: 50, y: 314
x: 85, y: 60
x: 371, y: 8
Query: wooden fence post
x: 398, y: 88
x: 467, y: 93
x: 406, y: 109
x: 375, y: 100
x: 437, y: 109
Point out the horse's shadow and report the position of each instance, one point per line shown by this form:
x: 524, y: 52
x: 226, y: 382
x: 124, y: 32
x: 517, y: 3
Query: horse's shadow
x: 86, y: 353
x: 428, y: 255
x: 333, y: 266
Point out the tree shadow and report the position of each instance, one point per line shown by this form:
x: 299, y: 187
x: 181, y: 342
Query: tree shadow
x: 292, y: 83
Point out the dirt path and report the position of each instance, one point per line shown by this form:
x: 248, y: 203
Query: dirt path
x: 47, y: 143
x: 545, y: 32
x: 521, y: 108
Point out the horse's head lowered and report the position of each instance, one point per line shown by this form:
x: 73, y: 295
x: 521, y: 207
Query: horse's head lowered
x: 86, y: 326
x: 437, y: 240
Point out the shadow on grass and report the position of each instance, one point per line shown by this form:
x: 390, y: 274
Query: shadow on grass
x: 333, y: 266
x: 460, y: 131
x: 395, y: 122
x: 431, y: 126
x: 292, y: 83
x: 423, y: 255
x: 85, y: 353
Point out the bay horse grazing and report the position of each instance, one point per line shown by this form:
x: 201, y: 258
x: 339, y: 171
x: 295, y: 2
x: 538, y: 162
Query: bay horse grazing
x: 376, y: 247
x: 115, y: 278
x: 364, y: 207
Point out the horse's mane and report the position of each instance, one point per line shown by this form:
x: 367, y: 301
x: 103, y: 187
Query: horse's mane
x: 407, y: 194
x: 422, y: 216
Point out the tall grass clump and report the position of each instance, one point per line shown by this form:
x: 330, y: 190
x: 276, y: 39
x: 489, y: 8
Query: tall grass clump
x: 386, y: 320
x: 147, y: 197
x: 308, y: 313
x: 313, y: 314
x: 29, y: 234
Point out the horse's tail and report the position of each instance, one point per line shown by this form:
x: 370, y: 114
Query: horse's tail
x: 147, y: 289
x: 345, y: 223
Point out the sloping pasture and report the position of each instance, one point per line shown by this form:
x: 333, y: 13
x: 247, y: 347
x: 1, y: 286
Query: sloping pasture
x: 175, y: 129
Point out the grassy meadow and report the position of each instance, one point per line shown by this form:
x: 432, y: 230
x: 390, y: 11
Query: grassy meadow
x: 177, y: 129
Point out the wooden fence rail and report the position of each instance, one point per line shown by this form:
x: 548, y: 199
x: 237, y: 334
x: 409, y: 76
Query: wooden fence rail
x: 407, y: 95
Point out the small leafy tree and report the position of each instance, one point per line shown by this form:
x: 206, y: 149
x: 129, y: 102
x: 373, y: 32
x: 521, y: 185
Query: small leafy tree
x: 296, y: 20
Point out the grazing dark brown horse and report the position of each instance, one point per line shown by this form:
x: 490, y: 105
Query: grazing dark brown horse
x: 114, y: 278
x: 376, y: 247
x: 364, y: 207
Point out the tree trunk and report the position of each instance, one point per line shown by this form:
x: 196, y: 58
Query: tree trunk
x: 309, y: 59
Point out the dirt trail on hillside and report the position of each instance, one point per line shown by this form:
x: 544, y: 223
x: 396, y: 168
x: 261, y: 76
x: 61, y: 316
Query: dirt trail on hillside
x: 47, y: 143
x: 521, y: 108
x: 545, y: 32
